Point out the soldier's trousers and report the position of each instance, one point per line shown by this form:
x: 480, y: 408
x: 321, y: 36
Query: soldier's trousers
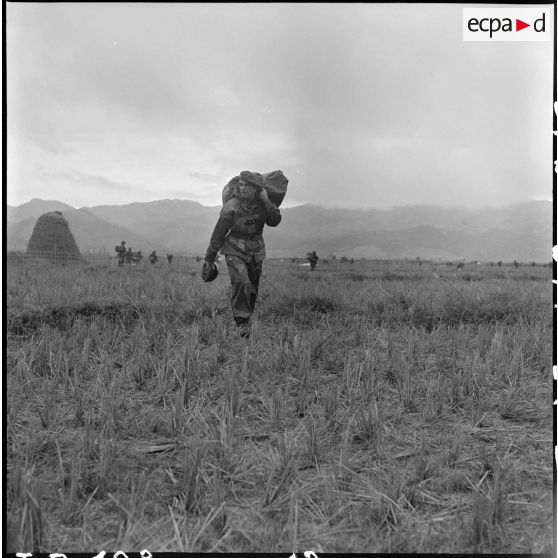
x: 245, y: 282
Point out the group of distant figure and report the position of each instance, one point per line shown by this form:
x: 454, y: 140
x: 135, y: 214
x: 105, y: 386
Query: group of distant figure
x: 461, y: 265
x: 126, y: 256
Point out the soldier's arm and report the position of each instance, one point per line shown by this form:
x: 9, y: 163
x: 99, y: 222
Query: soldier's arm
x: 219, y: 233
x: 272, y: 214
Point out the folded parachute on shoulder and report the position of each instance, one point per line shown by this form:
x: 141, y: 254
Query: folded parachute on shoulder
x: 275, y: 183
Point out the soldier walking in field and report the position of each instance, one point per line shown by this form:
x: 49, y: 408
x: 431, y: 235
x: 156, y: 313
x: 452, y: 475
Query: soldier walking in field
x: 153, y: 257
x: 169, y: 258
x: 313, y: 259
x: 121, y: 253
x: 238, y: 235
x: 129, y: 256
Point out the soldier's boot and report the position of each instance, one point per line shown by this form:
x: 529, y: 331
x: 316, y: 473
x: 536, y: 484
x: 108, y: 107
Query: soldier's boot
x: 244, y: 329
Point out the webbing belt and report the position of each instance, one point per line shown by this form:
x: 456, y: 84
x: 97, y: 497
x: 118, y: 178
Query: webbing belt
x: 246, y: 236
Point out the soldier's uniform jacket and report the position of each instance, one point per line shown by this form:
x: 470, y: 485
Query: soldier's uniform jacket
x: 238, y: 231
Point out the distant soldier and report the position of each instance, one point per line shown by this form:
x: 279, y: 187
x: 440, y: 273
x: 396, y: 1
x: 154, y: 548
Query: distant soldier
x: 352, y: 261
x: 153, y: 257
x: 129, y: 256
x: 169, y: 258
x: 121, y: 252
x: 313, y: 259
x: 137, y: 257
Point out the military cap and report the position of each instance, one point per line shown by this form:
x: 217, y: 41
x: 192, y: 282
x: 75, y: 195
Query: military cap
x: 252, y: 178
x: 209, y: 272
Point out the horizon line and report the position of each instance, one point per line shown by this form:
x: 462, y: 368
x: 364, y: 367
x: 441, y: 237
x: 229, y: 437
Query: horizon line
x: 310, y: 203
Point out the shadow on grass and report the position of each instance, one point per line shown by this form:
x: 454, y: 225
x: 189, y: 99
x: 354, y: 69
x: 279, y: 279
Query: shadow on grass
x: 126, y: 314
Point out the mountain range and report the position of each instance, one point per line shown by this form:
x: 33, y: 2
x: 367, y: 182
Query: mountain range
x: 521, y: 232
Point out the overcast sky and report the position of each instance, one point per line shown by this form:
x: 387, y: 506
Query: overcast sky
x: 360, y: 105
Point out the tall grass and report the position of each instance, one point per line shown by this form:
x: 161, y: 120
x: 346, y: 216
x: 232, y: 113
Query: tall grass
x: 367, y: 412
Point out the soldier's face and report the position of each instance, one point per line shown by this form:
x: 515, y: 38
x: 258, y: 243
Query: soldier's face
x: 246, y: 191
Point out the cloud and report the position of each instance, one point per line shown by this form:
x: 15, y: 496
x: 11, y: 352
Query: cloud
x: 80, y: 179
x: 48, y: 146
x: 357, y: 104
x: 205, y: 177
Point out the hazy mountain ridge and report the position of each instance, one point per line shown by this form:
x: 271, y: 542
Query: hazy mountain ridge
x: 521, y: 231
x: 34, y: 209
x: 142, y: 214
x: 90, y: 232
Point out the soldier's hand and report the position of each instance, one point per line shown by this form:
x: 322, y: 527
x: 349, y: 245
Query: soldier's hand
x: 263, y: 195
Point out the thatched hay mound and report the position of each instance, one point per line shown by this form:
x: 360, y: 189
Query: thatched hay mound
x: 52, y: 239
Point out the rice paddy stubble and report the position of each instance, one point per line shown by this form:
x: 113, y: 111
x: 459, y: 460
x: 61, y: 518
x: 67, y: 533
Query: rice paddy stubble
x: 370, y: 404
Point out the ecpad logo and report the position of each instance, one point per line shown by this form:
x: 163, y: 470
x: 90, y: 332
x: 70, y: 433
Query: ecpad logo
x: 507, y: 24
x: 494, y: 24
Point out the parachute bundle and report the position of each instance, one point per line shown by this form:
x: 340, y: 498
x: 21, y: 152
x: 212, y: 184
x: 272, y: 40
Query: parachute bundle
x: 275, y: 183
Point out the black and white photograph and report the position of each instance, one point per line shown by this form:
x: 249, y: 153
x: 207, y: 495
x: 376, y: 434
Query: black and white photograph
x: 279, y: 278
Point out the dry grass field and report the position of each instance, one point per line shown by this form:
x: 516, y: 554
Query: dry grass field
x: 377, y: 407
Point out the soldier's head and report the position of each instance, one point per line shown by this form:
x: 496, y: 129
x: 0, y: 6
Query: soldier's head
x: 249, y: 184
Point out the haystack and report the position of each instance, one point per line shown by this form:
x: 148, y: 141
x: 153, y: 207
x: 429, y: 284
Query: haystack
x: 52, y: 239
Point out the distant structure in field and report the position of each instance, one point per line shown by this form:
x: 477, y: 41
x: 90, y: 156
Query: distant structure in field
x: 52, y: 239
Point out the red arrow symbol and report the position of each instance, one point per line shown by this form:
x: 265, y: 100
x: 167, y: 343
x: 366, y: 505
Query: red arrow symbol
x: 519, y: 25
